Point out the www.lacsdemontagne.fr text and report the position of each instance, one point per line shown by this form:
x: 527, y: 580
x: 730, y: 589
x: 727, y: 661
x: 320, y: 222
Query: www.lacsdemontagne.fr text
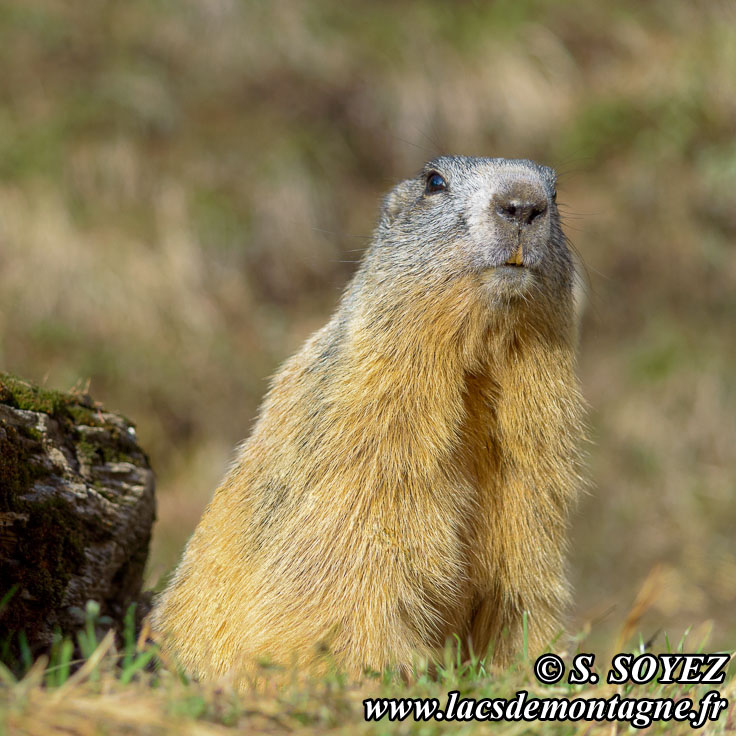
x: 639, y: 712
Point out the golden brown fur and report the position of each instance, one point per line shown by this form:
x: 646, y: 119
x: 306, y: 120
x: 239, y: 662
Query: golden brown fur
x: 410, y: 474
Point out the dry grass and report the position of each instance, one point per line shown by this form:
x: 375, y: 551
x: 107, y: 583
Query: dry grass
x: 184, y: 191
x: 107, y: 696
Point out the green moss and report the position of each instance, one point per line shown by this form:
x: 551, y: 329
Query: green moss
x: 15, y: 470
x: 86, y: 451
x: 94, y: 449
x: 30, y: 432
x: 72, y: 409
x: 112, y: 454
x: 84, y: 415
x: 22, y: 395
x: 18, y: 470
x: 106, y: 492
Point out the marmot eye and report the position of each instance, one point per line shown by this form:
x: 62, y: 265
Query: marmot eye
x: 435, y: 183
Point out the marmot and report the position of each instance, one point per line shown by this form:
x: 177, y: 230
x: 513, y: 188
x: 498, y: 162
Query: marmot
x: 409, y: 477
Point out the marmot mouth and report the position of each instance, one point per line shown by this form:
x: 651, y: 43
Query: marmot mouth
x: 517, y: 259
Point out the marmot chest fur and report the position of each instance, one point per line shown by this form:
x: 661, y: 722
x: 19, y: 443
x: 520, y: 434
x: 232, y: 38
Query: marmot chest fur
x: 412, y: 467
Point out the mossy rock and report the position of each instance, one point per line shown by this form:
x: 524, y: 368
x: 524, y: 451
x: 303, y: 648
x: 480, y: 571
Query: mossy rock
x: 76, y: 511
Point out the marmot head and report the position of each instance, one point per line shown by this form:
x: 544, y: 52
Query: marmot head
x: 492, y: 219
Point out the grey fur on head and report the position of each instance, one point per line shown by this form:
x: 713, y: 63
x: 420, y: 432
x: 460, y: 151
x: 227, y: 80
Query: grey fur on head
x: 490, y: 209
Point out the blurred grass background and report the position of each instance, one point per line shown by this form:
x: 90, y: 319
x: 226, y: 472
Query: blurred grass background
x: 185, y: 189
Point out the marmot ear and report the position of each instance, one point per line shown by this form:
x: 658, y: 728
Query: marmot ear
x: 397, y: 199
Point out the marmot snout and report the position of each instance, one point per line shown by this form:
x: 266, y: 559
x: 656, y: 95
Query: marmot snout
x: 412, y: 467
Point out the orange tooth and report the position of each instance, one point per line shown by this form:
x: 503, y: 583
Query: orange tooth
x: 517, y: 258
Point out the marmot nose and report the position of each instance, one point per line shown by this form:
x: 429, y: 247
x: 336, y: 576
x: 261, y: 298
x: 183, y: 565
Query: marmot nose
x: 522, y: 205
